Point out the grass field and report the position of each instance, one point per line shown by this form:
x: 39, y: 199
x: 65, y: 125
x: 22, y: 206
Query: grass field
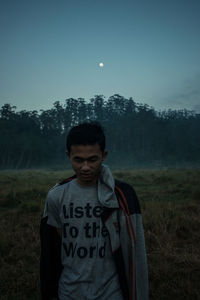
x: 170, y: 202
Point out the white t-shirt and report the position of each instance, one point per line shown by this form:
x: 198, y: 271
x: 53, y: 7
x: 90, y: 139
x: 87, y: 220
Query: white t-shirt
x: 89, y: 270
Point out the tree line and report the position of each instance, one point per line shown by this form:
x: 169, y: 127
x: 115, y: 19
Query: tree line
x: 137, y: 135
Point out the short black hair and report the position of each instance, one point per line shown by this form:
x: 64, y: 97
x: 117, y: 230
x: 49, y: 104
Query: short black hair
x: 87, y: 133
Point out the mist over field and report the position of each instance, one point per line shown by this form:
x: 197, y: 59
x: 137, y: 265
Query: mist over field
x: 137, y: 135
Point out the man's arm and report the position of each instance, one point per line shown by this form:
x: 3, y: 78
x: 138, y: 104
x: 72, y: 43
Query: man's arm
x: 50, y: 260
x: 141, y: 261
x: 50, y: 236
x: 59, y: 231
x: 132, y: 242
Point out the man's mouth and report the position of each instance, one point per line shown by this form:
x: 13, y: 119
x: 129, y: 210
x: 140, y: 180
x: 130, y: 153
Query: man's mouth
x: 85, y: 174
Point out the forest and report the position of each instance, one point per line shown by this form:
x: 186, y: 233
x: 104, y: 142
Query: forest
x: 137, y: 135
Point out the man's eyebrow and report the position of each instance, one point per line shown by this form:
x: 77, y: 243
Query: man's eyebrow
x: 89, y: 157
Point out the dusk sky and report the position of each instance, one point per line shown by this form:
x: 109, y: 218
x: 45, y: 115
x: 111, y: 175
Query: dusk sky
x: 51, y: 50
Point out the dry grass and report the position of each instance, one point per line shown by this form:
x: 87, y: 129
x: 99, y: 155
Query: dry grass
x: 170, y: 206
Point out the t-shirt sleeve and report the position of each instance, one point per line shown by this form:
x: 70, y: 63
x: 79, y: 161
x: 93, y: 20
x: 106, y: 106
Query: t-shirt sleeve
x: 52, y: 210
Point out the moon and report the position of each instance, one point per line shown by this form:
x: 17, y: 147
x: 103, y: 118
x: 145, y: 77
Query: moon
x: 101, y: 65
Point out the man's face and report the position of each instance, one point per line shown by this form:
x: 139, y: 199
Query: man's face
x: 86, y: 161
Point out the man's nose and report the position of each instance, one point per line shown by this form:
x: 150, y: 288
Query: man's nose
x: 85, y: 166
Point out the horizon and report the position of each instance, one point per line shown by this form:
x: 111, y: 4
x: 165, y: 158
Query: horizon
x: 62, y: 103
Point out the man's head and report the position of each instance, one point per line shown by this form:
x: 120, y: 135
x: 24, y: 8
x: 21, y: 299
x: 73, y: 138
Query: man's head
x: 89, y: 133
x: 86, y: 151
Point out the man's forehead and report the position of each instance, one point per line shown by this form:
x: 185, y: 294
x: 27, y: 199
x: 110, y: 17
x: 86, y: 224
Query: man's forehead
x: 85, y: 150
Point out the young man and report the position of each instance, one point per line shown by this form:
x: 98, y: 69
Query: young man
x: 92, y: 240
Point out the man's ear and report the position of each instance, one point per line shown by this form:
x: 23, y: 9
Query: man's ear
x: 68, y: 154
x: 105, y: 153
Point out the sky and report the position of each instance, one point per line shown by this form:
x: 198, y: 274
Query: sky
x: 50, y: 50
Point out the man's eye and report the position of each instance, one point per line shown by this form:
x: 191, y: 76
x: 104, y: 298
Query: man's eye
x: 93, y: 159
x: 79, y: 160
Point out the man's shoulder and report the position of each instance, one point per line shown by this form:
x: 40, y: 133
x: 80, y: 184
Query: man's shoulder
x: 60, y: 187
x: 127, y: 193
x: 122, y: 184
